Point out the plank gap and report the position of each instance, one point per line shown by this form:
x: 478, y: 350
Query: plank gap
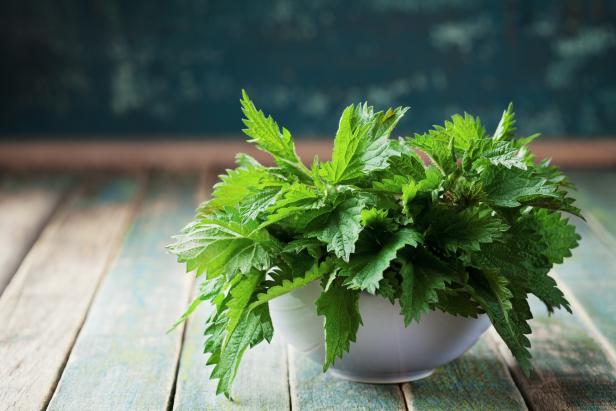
x: 495, y: 341
x: 290, y: 389
x: 403, y: 394
x: 579, y: 310
x: 599, y: 229
x: 206, y: 181
x: 64, y: 195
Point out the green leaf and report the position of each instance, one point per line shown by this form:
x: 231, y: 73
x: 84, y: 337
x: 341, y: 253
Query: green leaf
x: 311, y: 245
x: 439, y: 149
x: 506, y: 125
x: 558, y: 236
x: 287, y: 286
x: 362, y: 143
x: 454, y: 230
x: 419, y: 289
x: 389, y: 287
x: 249, y: 329
x: 491, y: 292
x: 457, y: 302
x: 297, y: 206
x: 340, y: 307
x: 378, y: 220
x: 234, y: 187
x: 223, y: 245
x: 511, y: 187
x: 498, y: 153
x: 365, y: 271
x: 247, y: 161
x: 462, y: 131
x: 265, y: 133
x: 241, y: 296
x: 342, y: 227
x: 258, y: 202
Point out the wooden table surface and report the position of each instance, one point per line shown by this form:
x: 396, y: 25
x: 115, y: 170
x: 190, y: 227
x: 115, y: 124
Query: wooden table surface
x: 87, y: 294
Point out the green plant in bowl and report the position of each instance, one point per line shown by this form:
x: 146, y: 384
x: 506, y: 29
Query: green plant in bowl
x: 472, y: 230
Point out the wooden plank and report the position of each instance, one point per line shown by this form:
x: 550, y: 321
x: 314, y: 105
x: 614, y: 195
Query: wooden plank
x: 597, y: 197
x: 123, y: 359
x: 571, y: 370
x: 479, y: 380
x: 26, y: 203
x: 45, y: 304
x: 313, y: 390
x: 172, y: 154
x: 590, y: 275
x: 261, y: 382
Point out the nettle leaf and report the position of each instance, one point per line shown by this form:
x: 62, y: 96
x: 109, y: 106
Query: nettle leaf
x: 265, y: 133
x: 340, y: 307
x: 217, y: 246
x: 311, y: 245
x: 557, y: 234
x: 362, y: 143
x: 512, y: 187
x: 419, y: 289
x: 520, y: 259
x: 259, y: 201
x: 234, y: 187
x: 491, y: 292
x: 342, y: 227
x: 365, y: 271
x: 457, y: 302
x: 241, y: 294
x: 498, y: 153
x: 248, y: 331
x: 460, y: 132
x: 439, y: 149
x: 506, y: 125
x: 377, y: 219
x: 297, y: 206
x: 286, y: 286
x: 454, y: 230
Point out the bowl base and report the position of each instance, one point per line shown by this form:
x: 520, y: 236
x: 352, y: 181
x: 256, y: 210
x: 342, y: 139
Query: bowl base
x: 382, y: 379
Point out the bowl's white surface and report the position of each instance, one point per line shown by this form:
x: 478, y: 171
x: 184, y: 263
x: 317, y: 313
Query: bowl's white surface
x: 385, y: 351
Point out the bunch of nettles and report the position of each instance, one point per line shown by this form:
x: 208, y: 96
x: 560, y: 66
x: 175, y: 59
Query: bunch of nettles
x: 473, y: 229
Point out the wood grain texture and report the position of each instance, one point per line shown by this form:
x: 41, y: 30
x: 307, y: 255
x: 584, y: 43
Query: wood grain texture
x: 45, y: 304
x: 479, y: 380
x: 313, y: 390
x: 596, y: 196
x: 171, y: 154
x: 123, y: 359
x: 261, y: 382
x: 571, y: 370
x: 26, y: 203
x: 590, y: 275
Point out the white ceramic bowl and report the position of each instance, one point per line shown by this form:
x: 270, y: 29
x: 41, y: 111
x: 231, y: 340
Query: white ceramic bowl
x: 386, y: 351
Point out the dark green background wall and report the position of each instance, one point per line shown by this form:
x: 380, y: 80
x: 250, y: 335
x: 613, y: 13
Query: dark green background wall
x: 175, y: 68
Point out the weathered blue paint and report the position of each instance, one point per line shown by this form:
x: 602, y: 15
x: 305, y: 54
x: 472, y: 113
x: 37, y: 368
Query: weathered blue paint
x: 123, y: 359
x: 141, y: 67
